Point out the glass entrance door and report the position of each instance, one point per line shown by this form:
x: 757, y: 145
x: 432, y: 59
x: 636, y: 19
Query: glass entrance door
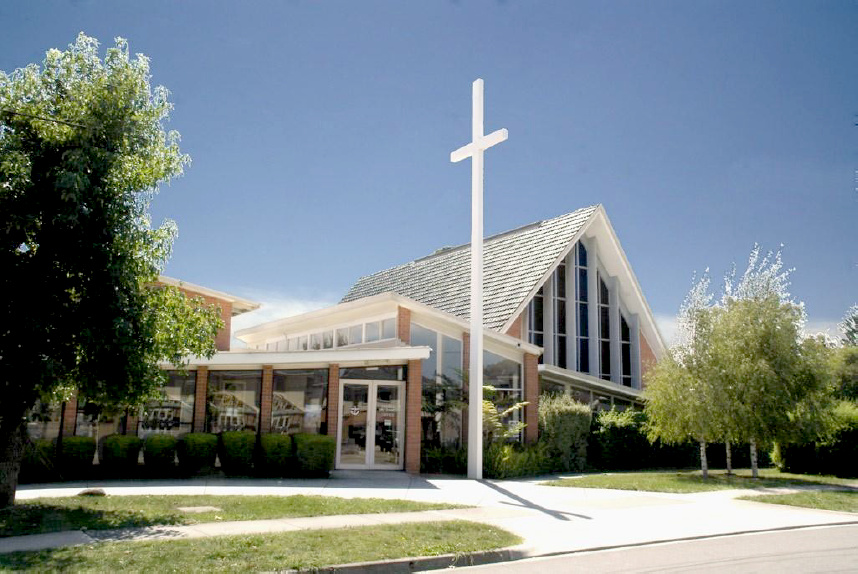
x: 371, y: 431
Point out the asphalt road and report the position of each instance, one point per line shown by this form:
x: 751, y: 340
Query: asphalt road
x: 820, y: 549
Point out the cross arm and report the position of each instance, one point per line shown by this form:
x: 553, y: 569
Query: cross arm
x: 483, y: 143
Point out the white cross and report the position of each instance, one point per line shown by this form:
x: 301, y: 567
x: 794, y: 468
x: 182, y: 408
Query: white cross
x: 475, y: 151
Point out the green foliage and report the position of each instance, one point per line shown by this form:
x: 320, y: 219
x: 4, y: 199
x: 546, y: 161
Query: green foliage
x: 563, y: 428
x: 197, y: 451
x: 119, y: 452
x: 38, y: 462
x: 314, y: 454
x: 444, y: 460
x: 510, y: 460
x: 275, y: 455
x: 83, y: 149
x: 235, y: 450
x: 76, y: 456
x: 849, y: 327
x: 618, y: 441
x: 159, y: 453
x: 844, y: 367
x: 499, y: 417
x: 835, y: 454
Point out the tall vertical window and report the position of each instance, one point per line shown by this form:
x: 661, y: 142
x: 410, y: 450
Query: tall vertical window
x: 626, y: 344
x: 174, y: 413
x: 581, y: 302
x: 535, y: 320
x: 233, y: 401
x: 604, y: 331
x: 442, y: 387
x: 559, y: 296
x: 299, y: 401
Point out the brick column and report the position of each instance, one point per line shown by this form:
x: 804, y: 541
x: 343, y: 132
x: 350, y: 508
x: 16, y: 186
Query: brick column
x: 403, y: 324
x: 333, y: 414
x: 531, y: 394
x: 413, y: 425
x: 70, y: 415
x: 200, y: 396
x: 466, y: 370
x: 265, y: 400
x: 131, y: 423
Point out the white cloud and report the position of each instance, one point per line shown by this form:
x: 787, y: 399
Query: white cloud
x: 273, y: 307
x: 667, y: 326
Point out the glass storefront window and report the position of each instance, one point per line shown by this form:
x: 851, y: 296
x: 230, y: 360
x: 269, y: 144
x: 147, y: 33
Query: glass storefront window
x: 174, y: 414
x: 233, y: 401
x: 300, y: 401
x: 388, y: 373
x: 43, y: 420
x: 96, y: 421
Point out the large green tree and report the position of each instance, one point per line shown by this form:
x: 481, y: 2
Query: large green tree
x: 82, y: 150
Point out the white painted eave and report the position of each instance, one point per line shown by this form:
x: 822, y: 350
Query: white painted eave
x: 589, y: 382
x: 239, y: 305
x: 292, y: 359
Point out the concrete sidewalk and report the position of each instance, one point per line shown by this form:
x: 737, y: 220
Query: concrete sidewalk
x: 551, y: 520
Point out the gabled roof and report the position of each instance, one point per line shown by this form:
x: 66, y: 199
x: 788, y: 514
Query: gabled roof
x: 514, y: 263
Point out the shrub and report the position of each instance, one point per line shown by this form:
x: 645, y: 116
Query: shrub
x: 197, y: 451
x: 564, y: 425
x: 836, y: 454
x: 37, y: 465
x: 618, y: 442
x: 509, y: 460
x: 76, y: 456
x: 235, y: 449
x: 275, y: 455
x: 314, y: 454
x: 119, y: 453
x: 444, y: 460
x: 159, y: 453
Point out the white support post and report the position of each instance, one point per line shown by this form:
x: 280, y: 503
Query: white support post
x: 474, y: 150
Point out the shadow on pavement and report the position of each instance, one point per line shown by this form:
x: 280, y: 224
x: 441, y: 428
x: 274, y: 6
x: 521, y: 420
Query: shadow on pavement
x: 557, y: 514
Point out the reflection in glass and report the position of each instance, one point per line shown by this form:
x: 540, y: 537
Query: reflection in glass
x: 353, y: 424
x: 174, y: 414
x: 388, y: 443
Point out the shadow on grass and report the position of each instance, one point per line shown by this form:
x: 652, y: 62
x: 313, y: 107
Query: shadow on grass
x: 28, y: 518
x: 54, y: 560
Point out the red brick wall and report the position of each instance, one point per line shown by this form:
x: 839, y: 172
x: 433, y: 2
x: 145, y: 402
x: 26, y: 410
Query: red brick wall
x: 647, y: 358
x: 403, y: 324
x: 466, y: 369
x: 223, y: 335
x: 267, y: 395
x: 200, y: 396
x: 333, y: 414
x: 70, y: 416
x: 515, y: 328
x: 413, y: 425
x: 531, y: 395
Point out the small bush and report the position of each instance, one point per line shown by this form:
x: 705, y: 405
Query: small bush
x: 76, y: 456
x: 510, y: 460
x: 197, y: 451
x: 444, y: 460
x: 159, y: 453
x: 235, y: 450
x: 564, y: 425
x: 618, y: 442
x: 119, y: 453
x: 37, y: 464
x: 275, y: 455
x: 837, y: 454
x: 314, y: 454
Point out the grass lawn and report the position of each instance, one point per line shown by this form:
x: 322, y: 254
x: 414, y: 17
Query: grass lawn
x: 108, y: 512
x: 268, y: 552
x: 840, y: 500
x: 692, y: 481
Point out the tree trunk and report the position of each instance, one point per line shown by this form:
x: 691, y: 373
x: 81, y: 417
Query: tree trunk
x: 12, y: 439
x: 729, y: 459
x: 704, y: 464
x: 755, y: 472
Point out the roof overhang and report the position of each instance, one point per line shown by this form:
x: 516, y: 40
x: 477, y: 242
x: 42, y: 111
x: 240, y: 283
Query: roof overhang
x: 239, y: 305
x: 345, y: 357
x: 588, y: 382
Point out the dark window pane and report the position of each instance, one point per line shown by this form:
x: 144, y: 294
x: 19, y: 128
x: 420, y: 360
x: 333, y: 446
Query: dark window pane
x: 583, y: 320
x: 603, y: 293
x: 537, y: 313
x: 604, y: 323
x: 561, y: 351
x: 627, y: 360
x: 624, y: 329
x: 391, y: 373
x: 561, y: 281
x: 561, y: 317
x: 606, y: 359
x: 584, y: 355
x: 582, y: 285
x: 582, y: 255
x: 537, y: 339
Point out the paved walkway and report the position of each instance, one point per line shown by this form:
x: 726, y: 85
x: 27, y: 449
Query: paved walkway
x: 551, y: 520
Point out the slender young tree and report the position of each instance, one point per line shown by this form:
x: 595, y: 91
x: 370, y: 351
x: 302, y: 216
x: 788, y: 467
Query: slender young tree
x: 82, y: 150
x: 849, y: 327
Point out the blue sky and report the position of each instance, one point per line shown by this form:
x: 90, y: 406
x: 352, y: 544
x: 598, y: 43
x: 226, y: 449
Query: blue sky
x: 320, y: 132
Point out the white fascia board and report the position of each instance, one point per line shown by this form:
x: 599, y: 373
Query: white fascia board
x: 342, y: 357
x: 239, y: 305
x: 556, y: 374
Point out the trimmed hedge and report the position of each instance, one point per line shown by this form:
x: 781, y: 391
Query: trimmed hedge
x: 837, y: 455
x: 197, y: 451
x: 235, y: 450
x: 76, y: 456
x: 618, y: 442
x: 159, y: 453
x: 119, y: 453
x: 275, y: 455
x: 564, y: 425
x: 314, y: 454
x: 443, y: 460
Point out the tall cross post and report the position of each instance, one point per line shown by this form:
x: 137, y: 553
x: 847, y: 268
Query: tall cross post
x: 474, y: 150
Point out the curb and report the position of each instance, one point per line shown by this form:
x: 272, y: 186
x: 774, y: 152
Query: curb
x: 408, y: 565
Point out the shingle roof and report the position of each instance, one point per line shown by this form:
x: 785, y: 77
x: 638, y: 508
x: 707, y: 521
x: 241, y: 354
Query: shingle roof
x: 513, y: 263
